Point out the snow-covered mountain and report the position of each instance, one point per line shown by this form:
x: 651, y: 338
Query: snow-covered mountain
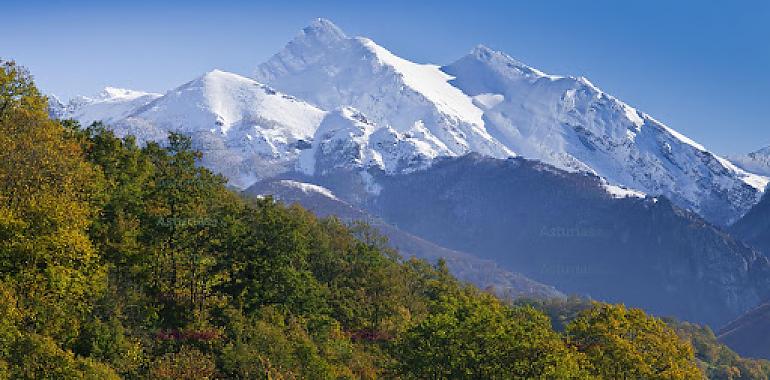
x: 325, y: 67
x: 110, y: 105
x: 347, y: 139
x: 247, y: 130
x: 489, y: 103
x: 570, y: 123
x: 358, y: 106
x: 755, y: 162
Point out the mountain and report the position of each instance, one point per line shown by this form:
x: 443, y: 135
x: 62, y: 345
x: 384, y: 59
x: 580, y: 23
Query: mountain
x: 755, y: 162
x: 347, y: 139
x: 754, y: 227
x: 245, y: 129
x: 565, y: 229
x: 484, y: 273
x: 489, y: 103
x: 385, y: 112
x: 570, y: 123
x: 325, y: 67
x: 56, y: 108
x: 749, y: 335
x: 110, y: 105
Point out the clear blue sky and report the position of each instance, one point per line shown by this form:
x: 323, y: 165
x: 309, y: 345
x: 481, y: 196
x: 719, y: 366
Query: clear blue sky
x: 699, y: 66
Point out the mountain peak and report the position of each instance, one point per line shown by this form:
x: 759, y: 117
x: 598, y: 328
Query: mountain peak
x: 323, y: 30
x: 491, y: 57
x: 217, y: 74
x: 121, y: 94
x: 485, y: 53
x: 482, y: 52
x: 755, y: 162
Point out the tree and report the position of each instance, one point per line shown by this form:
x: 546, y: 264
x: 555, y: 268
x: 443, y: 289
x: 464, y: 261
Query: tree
x: 187, y: 364
x: 17, y: 90
x: 46, y: 205
x: 37, y: 357
x: 474, y: 336
x: 626, y: 343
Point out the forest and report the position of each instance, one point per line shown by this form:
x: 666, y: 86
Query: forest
x: 121, y: 261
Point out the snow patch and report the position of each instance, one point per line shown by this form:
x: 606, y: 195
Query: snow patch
x: 622, y: 192
x: 371, y: 185
x: 115, y: 94
x: 431, y: 82
x: 308, y: 188
x: 486, y: 101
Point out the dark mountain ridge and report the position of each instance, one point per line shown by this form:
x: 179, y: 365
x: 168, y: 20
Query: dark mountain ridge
x: 565, y: 229
x: 483, y: 273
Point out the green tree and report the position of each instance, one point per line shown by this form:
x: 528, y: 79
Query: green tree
x: 187, y: 364
x: 17, y: 90
x: 38, y: 357
x: 474, y: 336
x: 269, y: 261
x: 626, y: 343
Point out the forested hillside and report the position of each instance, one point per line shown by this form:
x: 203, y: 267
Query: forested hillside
x: 121, y: 261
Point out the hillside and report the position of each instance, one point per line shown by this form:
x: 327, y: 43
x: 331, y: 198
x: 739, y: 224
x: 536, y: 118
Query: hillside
x: 485, y: 274
x: 749, y: 335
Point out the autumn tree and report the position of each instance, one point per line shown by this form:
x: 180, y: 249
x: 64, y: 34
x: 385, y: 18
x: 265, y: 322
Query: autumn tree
x: 46, y: 205
x: 626, y: 343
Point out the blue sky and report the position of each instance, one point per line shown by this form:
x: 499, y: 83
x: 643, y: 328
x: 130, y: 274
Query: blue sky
x: 699, y: 66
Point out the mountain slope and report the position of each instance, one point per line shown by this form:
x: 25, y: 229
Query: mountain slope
x: 327, y: 68
x: 755, y: 162
x: 346, y: 139
x: 245, y: 129
x: 754, y: 227
x: 488, y: 103
x: 110, y: 105
x: 569, y: 123
x: 565, y: 229
x: 749, y: 335
x: 483, y: 273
